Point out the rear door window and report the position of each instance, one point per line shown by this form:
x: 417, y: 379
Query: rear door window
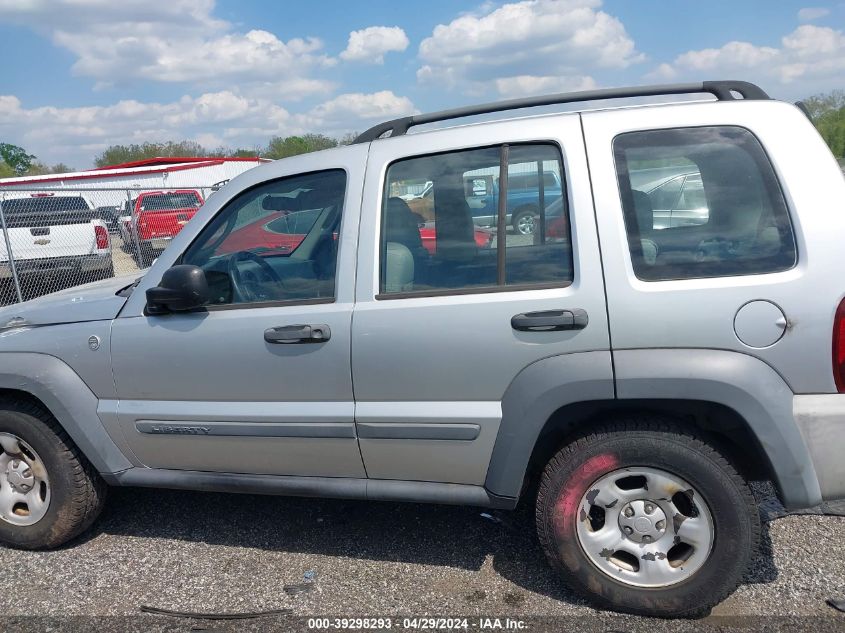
x: 442, y: 242
x: 702, y: 202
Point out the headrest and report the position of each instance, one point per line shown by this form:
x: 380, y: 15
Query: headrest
x: 398, y: 268
x: 644, y: 210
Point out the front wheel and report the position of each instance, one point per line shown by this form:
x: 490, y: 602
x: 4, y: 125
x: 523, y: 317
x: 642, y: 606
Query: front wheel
x: 646, y: 518
x: 49, y: 493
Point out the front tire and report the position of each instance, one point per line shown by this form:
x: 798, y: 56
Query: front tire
x: 646, y: 518
x: 49, y: 492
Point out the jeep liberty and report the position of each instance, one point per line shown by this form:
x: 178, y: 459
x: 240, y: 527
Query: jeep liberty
x: 627, y: 375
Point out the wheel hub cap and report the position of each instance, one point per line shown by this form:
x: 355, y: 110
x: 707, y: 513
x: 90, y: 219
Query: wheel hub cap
x: 642, y: 521
x: 20, y: 476
x: 645, y: 527
x: 24, y: 485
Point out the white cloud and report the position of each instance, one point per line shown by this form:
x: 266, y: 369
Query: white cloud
x: 564, y: 38
x: 809, y: 14
x: 74, y: 135
x: 810, y: 58
x: 732, y: 54
x: 528, y: 85
x: 370, y: 44
x: 334, y: 115
x: 173, y: 41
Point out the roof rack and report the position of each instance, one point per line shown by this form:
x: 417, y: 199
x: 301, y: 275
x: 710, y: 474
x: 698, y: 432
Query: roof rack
x: 722, y: 90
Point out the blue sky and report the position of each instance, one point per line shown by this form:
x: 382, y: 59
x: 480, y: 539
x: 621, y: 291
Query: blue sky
x: 79, y: 75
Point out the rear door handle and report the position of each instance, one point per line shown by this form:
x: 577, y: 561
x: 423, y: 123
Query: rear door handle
x: 550, y: 320
x: 293, y: 334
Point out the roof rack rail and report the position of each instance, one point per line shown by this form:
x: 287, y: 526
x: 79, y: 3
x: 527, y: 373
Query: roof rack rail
x: 722, y: 90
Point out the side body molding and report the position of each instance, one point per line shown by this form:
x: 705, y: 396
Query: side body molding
x: 69, y: 399
x: 538, y: 391
x: 738, y: 381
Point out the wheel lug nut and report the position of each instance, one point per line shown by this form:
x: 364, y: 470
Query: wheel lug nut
x: 629, y: 512
x: 649, y: 508
x: 628, y: 530
x: 660, y: 525
x: 646, y: 538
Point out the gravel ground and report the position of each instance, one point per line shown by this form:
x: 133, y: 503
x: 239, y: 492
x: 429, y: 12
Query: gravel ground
x: 205, y: 552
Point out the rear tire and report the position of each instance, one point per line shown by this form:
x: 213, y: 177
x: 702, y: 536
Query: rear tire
x: 665, y: 568
x: 73, y: 492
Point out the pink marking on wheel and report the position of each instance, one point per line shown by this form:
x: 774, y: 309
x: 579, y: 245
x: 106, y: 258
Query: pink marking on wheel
x: 566, y: 508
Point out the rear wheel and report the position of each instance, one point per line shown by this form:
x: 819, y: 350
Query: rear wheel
x: 49, y: 493
x: 646, y: 518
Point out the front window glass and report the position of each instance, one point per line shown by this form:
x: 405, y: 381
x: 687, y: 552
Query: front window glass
x: 275, y: 242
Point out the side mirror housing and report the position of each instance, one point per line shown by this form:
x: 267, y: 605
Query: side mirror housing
x: 181, y: 288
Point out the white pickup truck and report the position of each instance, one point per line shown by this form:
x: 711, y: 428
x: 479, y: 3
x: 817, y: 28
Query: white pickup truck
x: 53, y: 237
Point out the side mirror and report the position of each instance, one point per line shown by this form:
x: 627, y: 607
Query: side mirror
x: 181, y: 288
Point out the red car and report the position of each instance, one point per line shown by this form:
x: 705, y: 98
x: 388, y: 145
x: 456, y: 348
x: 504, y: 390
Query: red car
x: 158, y: 216
x: 282, y: 231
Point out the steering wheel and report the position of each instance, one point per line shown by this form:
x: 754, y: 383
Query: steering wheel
x: 247, y: 286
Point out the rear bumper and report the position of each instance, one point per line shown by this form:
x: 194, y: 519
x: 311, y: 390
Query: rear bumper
x: 157, y: 243
x: 57, y: 265
x: 821, y: 420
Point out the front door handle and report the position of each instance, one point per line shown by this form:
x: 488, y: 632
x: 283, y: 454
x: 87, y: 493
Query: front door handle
x: 293, y: 334
x: 550, y: 320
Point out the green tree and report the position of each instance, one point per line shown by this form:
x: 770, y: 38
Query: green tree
x: 39, y: 169
x: 6, y: 171
x: 16, y: 157
x: 245, y: 153
x: 294, y: 145
x: 117, y: 154
x: 827, y: 112
x: 347, y: 138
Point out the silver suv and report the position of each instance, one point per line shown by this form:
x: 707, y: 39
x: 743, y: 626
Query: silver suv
x: 309, y: 333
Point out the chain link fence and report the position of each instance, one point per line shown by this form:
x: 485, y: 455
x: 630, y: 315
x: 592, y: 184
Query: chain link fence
x: 61, y: 237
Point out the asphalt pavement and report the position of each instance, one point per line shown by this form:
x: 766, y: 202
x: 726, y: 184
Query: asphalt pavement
x: 204, y: 552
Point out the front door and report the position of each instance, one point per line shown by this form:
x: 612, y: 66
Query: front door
x: 441, y: 330
x: 260, y: 380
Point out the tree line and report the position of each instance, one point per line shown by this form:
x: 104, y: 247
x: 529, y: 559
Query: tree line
x: 827, y: 112
x: 16, y: 161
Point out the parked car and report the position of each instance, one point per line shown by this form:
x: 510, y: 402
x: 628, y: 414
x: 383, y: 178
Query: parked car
x: 110, y: 215
x: 55, y: 238
x: 678, y: 200
x: 482, y: 196
x: 283, y: 231
x: 157, y: 217
x: 625, y: 382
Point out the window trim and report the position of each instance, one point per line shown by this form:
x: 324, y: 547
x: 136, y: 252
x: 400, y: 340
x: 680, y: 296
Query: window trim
x: 280, y: 303
x: 790, y: 212
x: 489, y: 289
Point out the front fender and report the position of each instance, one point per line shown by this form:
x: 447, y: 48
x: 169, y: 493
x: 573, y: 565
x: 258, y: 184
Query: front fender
x: 69, y: 399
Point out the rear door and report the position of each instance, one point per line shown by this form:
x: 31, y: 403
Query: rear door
x: 438, y: 336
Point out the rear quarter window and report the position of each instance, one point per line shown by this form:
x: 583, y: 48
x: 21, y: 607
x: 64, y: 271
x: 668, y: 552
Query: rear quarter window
x: 702, y: 202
